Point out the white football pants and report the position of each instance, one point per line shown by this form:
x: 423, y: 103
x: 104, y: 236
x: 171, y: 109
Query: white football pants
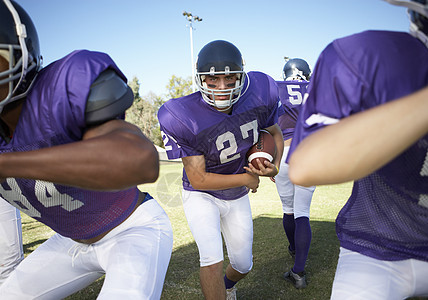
x: 134, y: 256
x: 361, y: 277
x: 11, y: 251
x: 295, y: 199
x: 209, y: 218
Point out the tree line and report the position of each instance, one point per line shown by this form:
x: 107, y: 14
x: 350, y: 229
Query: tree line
x: 143, y: 112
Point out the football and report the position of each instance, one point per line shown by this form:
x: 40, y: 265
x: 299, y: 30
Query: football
x: 264, y: 149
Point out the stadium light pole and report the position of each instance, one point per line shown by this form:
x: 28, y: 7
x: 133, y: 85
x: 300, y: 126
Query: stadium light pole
x: 191, y: 18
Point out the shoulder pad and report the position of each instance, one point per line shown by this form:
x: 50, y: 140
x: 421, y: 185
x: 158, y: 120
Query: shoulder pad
x: 109, y: 97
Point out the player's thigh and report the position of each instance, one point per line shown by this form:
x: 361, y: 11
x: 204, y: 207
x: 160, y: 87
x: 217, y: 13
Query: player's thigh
x: 136, y: 256
x: 10, y: 227
x: 50, y: 273
x: 203, y: 217
x: 420, y: 270
x: 362, y: 277
x: 302, y: 200
x: 11, y: 251
x: 284, y: 186
x: 237, y: 229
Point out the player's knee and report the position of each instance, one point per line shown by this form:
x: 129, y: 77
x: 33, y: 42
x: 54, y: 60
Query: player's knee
x: 287, y: 205
x: 242, y: 267
x: 310, y: 189
x: 301, y: 213
x: 208, y: 260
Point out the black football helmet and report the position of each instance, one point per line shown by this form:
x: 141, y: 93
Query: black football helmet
x: 296, y: 69
x: 220, y: 58
x: 19, y: 45
x: 418, y: 14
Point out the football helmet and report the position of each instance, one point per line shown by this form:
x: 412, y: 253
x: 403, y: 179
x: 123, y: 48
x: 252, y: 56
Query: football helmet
x: 418, y: 14
x: 220, y: 58
x: 19, y: 45
x: 296, y: 69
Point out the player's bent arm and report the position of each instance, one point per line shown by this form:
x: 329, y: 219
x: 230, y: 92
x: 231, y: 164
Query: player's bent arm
x: 202, y: 180
x: 360, y: 144
x: 276, y: 132
x: 114, y: 155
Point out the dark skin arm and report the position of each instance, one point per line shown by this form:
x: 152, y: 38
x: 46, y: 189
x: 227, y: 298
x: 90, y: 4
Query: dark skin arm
x: 112, y: 156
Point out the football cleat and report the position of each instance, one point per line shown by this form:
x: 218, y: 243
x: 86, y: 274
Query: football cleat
x: 297, y: 279
x: 231, y: 293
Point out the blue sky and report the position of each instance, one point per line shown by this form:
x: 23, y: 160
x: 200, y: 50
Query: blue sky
x: 150, y: 39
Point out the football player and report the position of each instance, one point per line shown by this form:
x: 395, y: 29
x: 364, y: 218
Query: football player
x: 351, y: 128
x: 296, y: 200
x: 211, y: 131
x: 11, y: 248
x: 70, y: 161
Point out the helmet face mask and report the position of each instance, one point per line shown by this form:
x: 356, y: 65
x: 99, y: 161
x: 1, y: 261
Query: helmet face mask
x: 212, y: 95
x: 418, y: 14
x: 220, y: 58
x: 419, y: 20
x: 418, y: 6
x: 296, y: 75
x: 296, y: 69
x: 19, y: 45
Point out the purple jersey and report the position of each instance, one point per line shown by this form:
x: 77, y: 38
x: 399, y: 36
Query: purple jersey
x: 54, y: 114
x: 386, y: 217
x: 291, y: 94
x: 190, y: 127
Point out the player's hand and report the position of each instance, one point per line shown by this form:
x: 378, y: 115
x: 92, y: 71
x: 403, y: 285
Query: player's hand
x: 253, y: 182
x: 268, y: 169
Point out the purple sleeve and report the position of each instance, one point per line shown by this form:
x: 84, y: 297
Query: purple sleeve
x: 291, y: 94
x: 176, y: 137
x: 275, y: 103
x: 335, y: 92
x: 73, y: 76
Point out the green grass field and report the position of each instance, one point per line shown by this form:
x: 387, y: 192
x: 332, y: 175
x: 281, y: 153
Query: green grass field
x: 271, y: 258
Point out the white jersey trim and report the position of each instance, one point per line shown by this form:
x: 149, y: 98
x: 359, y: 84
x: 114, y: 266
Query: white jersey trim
x: 320, y: 119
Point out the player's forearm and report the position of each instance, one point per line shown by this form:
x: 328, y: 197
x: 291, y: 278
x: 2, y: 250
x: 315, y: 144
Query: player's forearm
x: 360, y: 144
x: 117, y: 161
x: 207, y: 181
x: 276, y: 132
x: 213, y: 182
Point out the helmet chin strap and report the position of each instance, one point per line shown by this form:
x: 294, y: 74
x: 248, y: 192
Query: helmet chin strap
x: 22, y: 35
